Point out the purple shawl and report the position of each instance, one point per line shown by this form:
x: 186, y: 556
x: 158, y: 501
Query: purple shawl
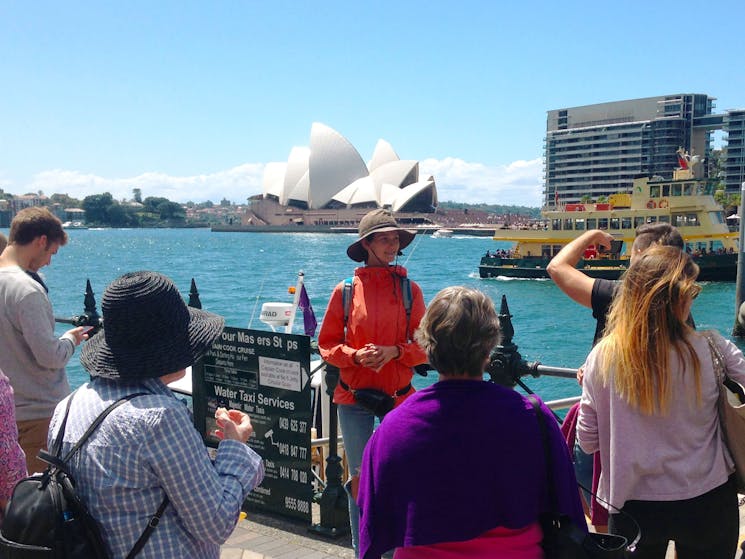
x: 457, y: 459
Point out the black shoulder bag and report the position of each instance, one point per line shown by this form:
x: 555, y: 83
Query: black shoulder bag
x: 562, y: 539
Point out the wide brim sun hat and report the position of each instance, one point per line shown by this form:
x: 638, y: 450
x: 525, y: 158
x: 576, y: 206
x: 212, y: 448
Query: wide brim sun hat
x: 378, y: 221
x: 148, y: 330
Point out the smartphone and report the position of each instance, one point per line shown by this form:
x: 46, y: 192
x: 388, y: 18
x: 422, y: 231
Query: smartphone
x: 87, y: 329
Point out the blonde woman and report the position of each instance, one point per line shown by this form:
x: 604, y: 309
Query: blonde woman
x: 649, y: 405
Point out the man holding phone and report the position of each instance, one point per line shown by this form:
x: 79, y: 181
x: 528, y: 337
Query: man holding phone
x: 31, y: 355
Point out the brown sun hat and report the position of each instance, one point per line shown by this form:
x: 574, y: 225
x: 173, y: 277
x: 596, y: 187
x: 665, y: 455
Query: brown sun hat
x: 378, y: 221
x: 148, y: 330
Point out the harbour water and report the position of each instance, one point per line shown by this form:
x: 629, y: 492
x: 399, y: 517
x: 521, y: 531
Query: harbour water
x: 236, y: 272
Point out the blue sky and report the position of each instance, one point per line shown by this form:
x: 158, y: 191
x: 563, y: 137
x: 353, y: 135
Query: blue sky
x: 190, y: 100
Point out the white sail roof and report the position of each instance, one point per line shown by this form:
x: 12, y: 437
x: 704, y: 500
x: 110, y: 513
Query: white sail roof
x: 407, y: 194
x: 334, y: 163
x: 273, y: 181
x: 384, y: 153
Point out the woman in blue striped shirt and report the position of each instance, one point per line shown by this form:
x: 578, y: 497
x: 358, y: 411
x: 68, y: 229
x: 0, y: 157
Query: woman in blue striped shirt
x: 148, y: 448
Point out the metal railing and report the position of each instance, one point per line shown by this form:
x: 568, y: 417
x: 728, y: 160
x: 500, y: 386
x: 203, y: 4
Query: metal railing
x: 506, y: 367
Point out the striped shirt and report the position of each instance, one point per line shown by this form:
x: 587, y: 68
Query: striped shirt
x: 145, y: 449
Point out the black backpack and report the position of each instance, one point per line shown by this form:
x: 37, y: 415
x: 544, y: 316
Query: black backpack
x: 45, y: 518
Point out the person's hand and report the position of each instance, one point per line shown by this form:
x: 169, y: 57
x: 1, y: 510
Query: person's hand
x: 603, y: 239
x: 233, y: 425
x: 580, y: 375
x: 375, y: 356
x: 78, y: 334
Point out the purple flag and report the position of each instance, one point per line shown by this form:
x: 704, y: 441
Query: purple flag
x: 309, y: 317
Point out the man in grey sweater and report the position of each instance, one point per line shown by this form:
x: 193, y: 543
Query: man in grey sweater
x: 31, y: 356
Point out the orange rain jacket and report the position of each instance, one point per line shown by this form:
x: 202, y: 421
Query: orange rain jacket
x: 376, y: 315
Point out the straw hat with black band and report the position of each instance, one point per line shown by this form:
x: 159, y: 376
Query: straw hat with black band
x: 378, y: 221
x: 148, y: 330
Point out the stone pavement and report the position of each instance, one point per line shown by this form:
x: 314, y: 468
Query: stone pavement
x: 263, y: 537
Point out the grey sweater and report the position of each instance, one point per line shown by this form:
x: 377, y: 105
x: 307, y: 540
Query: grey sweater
x: 31, y: 356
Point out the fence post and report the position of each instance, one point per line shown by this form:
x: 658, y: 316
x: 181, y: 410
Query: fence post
x: 334, y: 505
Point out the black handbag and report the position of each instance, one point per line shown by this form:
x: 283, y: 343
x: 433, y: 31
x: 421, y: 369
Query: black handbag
x: 375, y: 401
x: 562, y: 539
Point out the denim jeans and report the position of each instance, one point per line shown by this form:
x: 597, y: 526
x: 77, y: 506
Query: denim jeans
x: 356, y: 428
x: 583, y: 469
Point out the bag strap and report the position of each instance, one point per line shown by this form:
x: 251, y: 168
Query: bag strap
x: 348, y: 289
x: 552, y: 497
x: 346, y: 299
x: 406, y: 297
x: 151, y: 525
x: 717, y: 359
x: 93, y: 426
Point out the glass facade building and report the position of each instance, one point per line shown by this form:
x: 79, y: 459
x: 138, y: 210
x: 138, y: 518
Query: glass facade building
x: 597, y: 150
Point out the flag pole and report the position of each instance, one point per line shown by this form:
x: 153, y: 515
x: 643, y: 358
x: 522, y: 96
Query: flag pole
x: 296, y: 298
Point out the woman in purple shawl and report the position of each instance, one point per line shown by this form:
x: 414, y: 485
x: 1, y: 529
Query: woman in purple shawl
x: 458, y: 469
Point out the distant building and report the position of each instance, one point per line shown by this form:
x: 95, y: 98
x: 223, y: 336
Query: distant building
x: 597, y: 150
x: 330, y: 174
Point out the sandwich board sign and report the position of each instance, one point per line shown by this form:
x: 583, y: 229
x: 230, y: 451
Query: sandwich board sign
x: 266, y: 375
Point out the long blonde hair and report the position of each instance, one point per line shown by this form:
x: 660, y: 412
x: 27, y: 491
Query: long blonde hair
x: 648, y: 316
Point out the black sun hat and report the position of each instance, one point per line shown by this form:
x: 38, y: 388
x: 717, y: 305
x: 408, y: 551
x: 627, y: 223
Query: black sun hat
x: 378, y: 221
x: 148, y: 330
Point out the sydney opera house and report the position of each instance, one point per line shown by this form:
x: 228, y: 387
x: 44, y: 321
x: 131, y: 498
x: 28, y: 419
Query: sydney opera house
x: 329, y: 183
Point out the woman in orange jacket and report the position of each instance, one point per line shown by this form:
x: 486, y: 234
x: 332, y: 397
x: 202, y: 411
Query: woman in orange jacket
x: 367, y: 332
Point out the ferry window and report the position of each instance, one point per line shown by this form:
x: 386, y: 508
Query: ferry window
x: 664, y: 219
x: 603, y: 223
x: 675, y: 190
x: 679, y: 220
x: 615, y: 223
x: 625, y: 223
x: 546, y: 251
x: 556, y: 224
x: 567, y: 224
x: 592, y: 223
x: 638, y: 221
x: 665, y: 190
x: 556, y: 249
x: 651, y: 219
x: 579, y: 224
x: 716, y: 217
x: 654, y: 191
x: 688, y: 189
x: 692, y: 220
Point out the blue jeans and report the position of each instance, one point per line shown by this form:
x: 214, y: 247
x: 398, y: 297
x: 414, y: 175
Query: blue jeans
x: 583, y: 469
x: 357, y: 426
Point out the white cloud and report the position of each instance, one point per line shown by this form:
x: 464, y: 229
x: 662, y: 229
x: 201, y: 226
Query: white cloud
x: 235, y: 184
x: 518, y: 183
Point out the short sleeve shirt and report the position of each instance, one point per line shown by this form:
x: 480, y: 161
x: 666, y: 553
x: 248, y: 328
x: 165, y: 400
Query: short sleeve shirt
x: 603, y: 291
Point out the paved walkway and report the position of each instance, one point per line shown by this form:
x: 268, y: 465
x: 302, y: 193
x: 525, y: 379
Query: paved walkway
x: 263, y: 537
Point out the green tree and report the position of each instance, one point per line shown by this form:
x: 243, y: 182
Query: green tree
x: 171, y: 210
x: 137, y: 195
x: 96, y: 207
x: 116, y: 215
x: 151, y: 203
x: 65, y: 200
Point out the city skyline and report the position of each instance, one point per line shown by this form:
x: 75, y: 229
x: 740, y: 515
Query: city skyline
x: 190, y: 101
